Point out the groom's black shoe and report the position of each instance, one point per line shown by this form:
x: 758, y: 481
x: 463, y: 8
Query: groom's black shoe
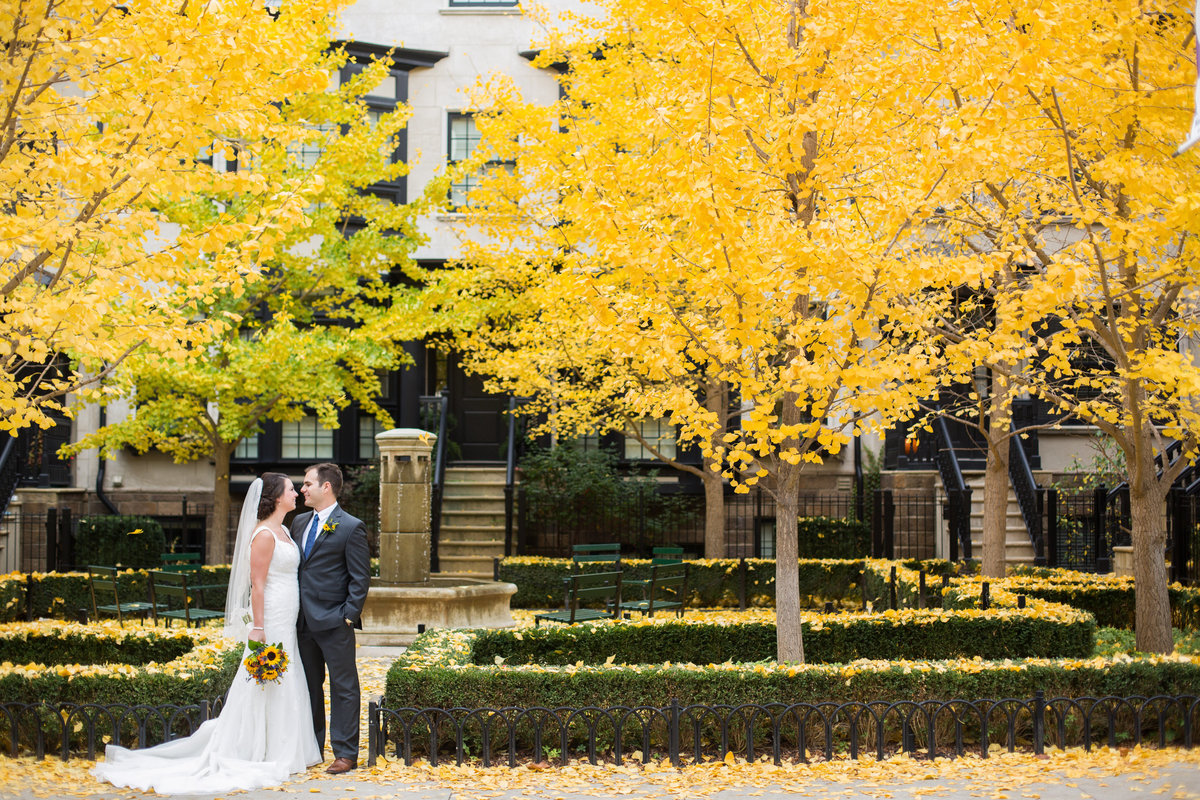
x: 340, y: 765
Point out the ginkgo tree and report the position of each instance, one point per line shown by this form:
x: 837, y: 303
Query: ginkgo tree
x: 326, y: 318
x: 1081, y: 231
x: 724, y: 190
x: 517, y: 323
x: 106, y: 114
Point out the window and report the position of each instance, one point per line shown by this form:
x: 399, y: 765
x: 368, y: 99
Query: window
x: 247, y: 448
x: 306, y: 438
x: 368, y: 427
x: 307, y: 154
x: 464, y: 138
x: 659, y: 433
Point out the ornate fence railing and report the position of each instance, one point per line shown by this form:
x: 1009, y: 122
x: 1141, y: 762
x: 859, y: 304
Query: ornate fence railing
x: 802, y: 730
x: 82, y: 730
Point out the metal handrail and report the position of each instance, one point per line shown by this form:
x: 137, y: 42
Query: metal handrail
x: 1020, y: 474
x: 10, y: 469
x: 437, y: 480
x: 510, y: 475
x: 947, y: 461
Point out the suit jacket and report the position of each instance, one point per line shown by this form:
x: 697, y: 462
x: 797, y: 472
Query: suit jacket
x: 335, y: 576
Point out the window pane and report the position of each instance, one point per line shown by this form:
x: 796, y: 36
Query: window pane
x: 659, y: 433
x: 306, y: 438
x: 247, y: 448
x: 368, y: 427
x: 464, y: 136
x: 308, y: 153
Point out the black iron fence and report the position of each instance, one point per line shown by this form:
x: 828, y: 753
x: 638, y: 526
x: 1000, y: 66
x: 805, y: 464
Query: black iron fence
x: 44, y: 540
x: 803, y: 731
x: 645, y: 520
x: 81, y: 730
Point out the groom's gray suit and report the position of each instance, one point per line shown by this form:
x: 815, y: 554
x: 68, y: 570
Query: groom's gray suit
x: 333, y: 587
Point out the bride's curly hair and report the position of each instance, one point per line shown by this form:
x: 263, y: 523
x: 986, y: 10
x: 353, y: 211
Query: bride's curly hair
x: 274, y: 484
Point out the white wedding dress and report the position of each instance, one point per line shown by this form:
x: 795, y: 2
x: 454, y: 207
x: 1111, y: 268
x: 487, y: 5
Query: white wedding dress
x: 263, y: 734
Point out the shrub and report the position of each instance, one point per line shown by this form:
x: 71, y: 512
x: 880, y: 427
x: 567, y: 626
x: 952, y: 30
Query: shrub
x: 56, y: 644
x: 712, y: 583
x: 128, y: 542
x: 842, y: 638
x: 826, y: 537
x: 437, y: 672
x: 61, y: 595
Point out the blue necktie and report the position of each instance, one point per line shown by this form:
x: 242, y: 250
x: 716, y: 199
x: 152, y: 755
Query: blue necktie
x: 312, y: 535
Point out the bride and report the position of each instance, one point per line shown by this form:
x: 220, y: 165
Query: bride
x: 264, y: 732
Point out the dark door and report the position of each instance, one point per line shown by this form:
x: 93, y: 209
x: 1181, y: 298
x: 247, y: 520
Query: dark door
x: 477, y: 417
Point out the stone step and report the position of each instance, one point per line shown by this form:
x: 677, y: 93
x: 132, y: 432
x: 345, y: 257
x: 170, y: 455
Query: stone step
x: 469, y: 544
x: 470, y: 518
x: 475, y: 475
x: 458, y: 529
x: 458, y: 576
x: 473, y: 493
x: 480, y: 565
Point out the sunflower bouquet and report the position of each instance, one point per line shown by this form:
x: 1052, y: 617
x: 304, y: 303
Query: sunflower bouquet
x: 266, y: 662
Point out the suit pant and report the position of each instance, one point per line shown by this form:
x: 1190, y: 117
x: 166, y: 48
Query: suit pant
x: 333, y: 648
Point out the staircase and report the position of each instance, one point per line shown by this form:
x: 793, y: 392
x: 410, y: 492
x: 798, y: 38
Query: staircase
x: 1018, y: 549
x: 472, y: 528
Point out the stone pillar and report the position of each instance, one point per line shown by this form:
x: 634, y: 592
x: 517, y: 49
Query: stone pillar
x: 404, y: 502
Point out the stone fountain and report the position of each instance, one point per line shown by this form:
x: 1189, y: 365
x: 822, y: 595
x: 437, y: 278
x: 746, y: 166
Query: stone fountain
x: 405, y: 598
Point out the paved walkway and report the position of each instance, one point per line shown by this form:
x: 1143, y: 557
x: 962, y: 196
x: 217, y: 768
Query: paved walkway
x: 1069, y: 776
x: 1102, y: 775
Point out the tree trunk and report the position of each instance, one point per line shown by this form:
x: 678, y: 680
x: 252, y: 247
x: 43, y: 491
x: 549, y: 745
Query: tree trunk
x: 714, y: 515
x: 218, y: 531
x: 1152, y: 610
x: 716, y: 400
x: 995, y: 482
x: 790, y: 645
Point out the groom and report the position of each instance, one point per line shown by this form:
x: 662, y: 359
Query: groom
x: 334, y: 573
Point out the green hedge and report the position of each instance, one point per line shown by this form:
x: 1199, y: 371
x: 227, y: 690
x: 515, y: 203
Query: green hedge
x: 123, y: 541
x: 141, y: 687
x: 830, y: 639
x: 437, y: 672
x: 1110, y: 600
x: 712, y: 583
x: 60, y: 595
x: 57, y: 647
x: 828, y: 537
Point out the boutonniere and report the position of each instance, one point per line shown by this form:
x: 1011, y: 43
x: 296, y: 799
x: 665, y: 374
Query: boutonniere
x: 328, y: 527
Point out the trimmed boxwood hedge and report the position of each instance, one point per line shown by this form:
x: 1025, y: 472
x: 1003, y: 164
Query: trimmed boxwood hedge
x: 56, y: 647
x: 908, y: 635
x: 712, y: 583
x: 437, y: 672
x: 140, y: 687
x: 124, y: 541
x: 60, y: 595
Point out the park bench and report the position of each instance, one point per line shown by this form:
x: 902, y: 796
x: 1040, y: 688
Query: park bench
x: 103, y: 580
x: 666, y: 589
x: 172, y: 598
x: 190, y: 564
x: 591, y: 553
x: 602, y: 588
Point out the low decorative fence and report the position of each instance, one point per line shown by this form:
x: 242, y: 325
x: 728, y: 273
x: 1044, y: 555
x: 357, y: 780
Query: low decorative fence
x: 942, y: 728
x: 82, y: 730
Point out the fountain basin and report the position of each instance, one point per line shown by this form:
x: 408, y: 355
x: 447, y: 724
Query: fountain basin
x: 394, y: 610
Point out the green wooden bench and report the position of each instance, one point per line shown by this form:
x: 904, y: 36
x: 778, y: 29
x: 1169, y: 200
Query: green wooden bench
x: 180, y: 562
x: 591, y: 553
x: 190, y: 563
x: 666, y: 589
x: 588, y: 587
x: 172, y: 596
x: 658, y: 555
x: 102, y: 582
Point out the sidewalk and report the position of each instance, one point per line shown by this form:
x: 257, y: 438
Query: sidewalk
x: 1106, y: 775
